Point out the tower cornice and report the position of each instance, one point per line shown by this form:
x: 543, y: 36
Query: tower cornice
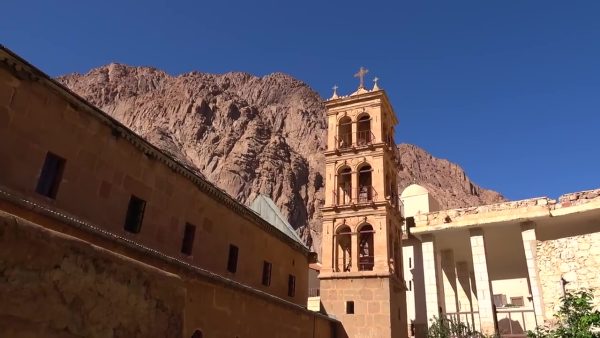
x: 334, y: 106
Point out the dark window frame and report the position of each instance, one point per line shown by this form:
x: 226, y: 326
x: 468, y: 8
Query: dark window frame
x: 189, y: 236
x: 266, y: 275
x: 291, y: 286
x: 349, y: 307
x: 232, y: 259
x: 135, y: 214
x: 51, y: 175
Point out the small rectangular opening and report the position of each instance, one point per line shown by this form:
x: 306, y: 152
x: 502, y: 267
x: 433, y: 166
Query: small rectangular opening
x: 51, y: 175
x: 410, y: 285
x: 350, y: 307
x: 266, y: 275
x: 135, y: 214
x: 517, y: 301
x: 410, y: 262
x: 410, y: 223
x: 189, y: 234
x: 233, y: 258
x: 291, y: 285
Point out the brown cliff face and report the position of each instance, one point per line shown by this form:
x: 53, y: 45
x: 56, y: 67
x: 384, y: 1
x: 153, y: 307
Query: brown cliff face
x: 446, y: 181
x: 251, y: 135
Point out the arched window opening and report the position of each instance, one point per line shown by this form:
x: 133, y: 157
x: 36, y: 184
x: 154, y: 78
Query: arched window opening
x: 344, y: 136
x: 343, y: 238
x: 363, y: 129
x: 344, y: 186
x: 197, y: 334
x: 365, y: 248
x: 365, y: 187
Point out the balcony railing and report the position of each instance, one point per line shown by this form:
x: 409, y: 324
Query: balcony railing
x: 364, y: 137
x: 467, y: 318
x: 363, y: 195
x: 366, y: 263
x: 514, y: 323
x: 352, y: 140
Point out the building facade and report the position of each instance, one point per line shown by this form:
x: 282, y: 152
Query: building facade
x: 68, y: 168
x: 361, y: 280
x: 499, y: 268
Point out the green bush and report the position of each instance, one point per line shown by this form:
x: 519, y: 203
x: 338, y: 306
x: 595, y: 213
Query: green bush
x: 576, y: 318
x: 450, y: 328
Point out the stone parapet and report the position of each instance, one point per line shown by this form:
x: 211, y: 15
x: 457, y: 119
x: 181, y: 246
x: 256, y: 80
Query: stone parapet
x: 505, y: 211
x: 576, y: 198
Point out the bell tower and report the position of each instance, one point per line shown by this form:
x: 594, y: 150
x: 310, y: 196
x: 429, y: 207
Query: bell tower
x: 362, y: 281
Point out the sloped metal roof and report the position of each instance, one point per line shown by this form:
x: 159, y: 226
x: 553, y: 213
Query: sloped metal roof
x: 266, y: 208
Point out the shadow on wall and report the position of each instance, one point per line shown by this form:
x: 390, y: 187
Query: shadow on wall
x: 338, y: 329
x: 508, y: 326
x: 420, y: 323
x: 98, y: 284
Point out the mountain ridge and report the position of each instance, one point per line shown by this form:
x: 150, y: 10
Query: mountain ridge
x: 252, y: 135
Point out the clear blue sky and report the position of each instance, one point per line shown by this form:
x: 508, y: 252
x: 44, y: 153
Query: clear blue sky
x: 510, y: 90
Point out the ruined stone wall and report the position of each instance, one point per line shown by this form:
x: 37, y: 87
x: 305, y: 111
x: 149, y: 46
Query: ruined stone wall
x: 53, y: 285
x: 576, y: 259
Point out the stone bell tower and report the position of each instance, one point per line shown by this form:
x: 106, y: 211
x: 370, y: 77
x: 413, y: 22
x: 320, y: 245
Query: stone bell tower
x: 362, y: 282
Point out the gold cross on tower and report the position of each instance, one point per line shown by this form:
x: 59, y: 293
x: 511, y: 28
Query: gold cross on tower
x: 361, y: 75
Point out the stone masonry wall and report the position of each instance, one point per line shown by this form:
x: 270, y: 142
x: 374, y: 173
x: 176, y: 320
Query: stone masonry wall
x: 56, y: 286
x: 105, y: 165
x: 576, y: 259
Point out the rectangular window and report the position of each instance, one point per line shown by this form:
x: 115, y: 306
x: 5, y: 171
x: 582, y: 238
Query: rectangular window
x: 135, y: 214
x: 266, y: 275
x: 410, y: 262
x: 410, y: 285
x: 51, y: 175
x: 517, y: 301
x: 350, y: 307
x: 291, y: 285
x: 500, y: 300
x: 187, y: 244
x: 233, y: 258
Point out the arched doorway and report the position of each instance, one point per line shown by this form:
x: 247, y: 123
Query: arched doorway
x: 343, y: 239
x: 365, y: 187
x: 344, y: 136
x: 344, y: 186
x: 363, y: 130
x: 366, y: 251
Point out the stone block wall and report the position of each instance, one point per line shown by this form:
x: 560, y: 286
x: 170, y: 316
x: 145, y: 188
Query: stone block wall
x: 576, y: 259
x: 107, y: 164
x: 58, y: 286
x: 378, y: 307
x: 53, y: 285
x: 221, y: 311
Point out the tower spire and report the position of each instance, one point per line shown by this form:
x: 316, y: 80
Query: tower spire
x: 375, y: 86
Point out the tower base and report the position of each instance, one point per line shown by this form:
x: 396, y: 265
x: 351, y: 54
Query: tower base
x: 367, y: 306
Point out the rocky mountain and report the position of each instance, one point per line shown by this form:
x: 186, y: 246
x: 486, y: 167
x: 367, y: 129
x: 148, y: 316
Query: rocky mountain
x: 251, y: 135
